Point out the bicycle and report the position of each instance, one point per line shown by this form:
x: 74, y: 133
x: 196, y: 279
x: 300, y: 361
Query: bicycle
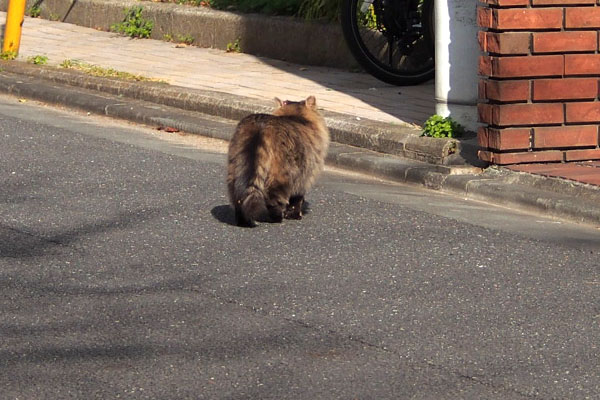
x: 392, y: 40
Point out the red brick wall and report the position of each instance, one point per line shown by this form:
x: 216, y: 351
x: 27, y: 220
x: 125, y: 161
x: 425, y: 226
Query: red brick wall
x: 539, y: 80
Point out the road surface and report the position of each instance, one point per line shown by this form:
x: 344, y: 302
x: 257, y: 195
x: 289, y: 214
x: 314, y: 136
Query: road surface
x: 122, y: 276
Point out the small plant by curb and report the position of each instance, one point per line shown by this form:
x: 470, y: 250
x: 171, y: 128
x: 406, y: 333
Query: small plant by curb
x: 442, y: 127
x: 8, y: 55
x: 34, y: 11
x: 183, y: 39
x: 38, y: 60
x: 196, y: 3
x: 133, y: 25
x: 321, y: 9
x: 234, y: 47
x: 96, y: 70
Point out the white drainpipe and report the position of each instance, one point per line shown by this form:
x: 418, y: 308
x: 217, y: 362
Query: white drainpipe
x: 456, y: 60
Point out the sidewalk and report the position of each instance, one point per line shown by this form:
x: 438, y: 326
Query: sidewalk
x: 360, y: 111
x: 235, y: 73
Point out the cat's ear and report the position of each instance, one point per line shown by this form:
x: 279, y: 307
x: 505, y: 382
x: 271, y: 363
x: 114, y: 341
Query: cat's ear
x: 278, y: 102
x: 311, y: 102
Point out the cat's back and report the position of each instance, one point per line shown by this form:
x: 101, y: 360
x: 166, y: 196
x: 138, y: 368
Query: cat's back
x: 266, y: 130
x: 247, y: 134
x: 252, y: 125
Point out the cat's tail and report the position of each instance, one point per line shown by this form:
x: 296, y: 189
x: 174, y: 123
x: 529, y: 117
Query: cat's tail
x: 253, y: 205
x: 254, y: 198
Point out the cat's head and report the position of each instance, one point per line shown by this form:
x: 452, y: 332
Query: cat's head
x: 287, y: 107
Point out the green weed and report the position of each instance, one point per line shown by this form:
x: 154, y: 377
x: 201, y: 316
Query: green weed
x: 234, y: 47
x: 278, y: 7
x: 38, y: 60
x: 317, y: 9
x: 8, y: 55
x: 441, y: 127
x: 187, y: 39
x: 96, y: 70
x: 368, y: 18
x: 34, y: 11
x: 68, y: 64
x: 196, y: 3
x: 134, y: 25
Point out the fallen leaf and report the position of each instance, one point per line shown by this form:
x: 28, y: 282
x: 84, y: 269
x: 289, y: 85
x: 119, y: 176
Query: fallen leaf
x: 168, y: 129
x: 22, y: 100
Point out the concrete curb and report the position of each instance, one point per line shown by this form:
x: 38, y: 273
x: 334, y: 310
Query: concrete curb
x: 553, y: 197
x: 401, y: 140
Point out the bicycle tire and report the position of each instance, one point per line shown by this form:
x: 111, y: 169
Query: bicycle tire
x: 370, y: 62
x: 429, y: 24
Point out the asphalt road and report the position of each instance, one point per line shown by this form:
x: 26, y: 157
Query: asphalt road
x: 122, y: 276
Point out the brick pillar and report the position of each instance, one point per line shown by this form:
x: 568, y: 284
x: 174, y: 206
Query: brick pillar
x: 538, y: 92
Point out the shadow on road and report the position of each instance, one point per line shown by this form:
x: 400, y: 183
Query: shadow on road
x: 20, y: 243
x: 224, y: 214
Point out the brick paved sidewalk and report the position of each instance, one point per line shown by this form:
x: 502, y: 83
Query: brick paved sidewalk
x: 351, y: 93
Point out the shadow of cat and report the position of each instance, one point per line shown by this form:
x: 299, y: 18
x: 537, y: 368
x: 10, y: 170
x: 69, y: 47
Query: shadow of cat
x: 225, y: 214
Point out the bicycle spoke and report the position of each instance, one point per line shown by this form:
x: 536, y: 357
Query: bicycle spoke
x: 390, y: 51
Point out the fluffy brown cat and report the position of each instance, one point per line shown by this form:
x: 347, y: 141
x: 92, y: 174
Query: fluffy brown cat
x: 274, y: 159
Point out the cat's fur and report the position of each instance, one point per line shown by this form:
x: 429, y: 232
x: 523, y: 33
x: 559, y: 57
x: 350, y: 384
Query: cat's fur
x: 274, y: 159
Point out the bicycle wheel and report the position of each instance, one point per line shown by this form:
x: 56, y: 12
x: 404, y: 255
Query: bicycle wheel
x: 389, y: 39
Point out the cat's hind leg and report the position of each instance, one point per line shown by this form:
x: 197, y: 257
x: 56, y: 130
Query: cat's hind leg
x: 275, y: 212
x: 294, y: 208
x: 277, y: 202
x: 241, y: 220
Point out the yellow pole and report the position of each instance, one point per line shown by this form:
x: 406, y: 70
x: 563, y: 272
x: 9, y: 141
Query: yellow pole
x: 14, y: 21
